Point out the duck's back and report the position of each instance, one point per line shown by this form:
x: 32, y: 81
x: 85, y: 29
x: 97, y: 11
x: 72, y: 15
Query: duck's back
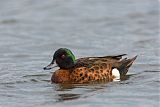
x: 100, y: 68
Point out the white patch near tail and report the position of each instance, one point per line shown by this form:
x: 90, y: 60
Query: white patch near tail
x: 116, y: 73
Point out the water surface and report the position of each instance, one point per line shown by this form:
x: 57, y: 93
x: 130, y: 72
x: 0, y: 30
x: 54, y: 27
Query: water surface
x: 31, y: 30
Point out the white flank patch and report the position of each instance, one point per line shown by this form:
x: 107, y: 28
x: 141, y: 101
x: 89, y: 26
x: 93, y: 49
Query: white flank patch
x: 116, y: 73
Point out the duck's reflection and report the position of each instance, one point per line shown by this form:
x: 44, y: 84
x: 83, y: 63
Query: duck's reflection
x: 65, y: 92
x: 67, y: 96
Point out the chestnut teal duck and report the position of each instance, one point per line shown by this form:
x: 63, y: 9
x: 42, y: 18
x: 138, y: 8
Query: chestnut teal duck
x: 87, y: 69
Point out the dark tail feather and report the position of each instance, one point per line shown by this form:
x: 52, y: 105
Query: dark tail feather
x: 126, y: 63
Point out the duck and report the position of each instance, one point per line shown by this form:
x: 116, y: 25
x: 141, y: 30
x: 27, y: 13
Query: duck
x: 87, y: 69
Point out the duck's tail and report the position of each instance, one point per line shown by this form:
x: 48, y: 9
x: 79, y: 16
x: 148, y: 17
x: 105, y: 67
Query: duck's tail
x: 126, y: 63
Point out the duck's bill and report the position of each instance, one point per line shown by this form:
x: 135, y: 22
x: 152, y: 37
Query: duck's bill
x: 50, y: 66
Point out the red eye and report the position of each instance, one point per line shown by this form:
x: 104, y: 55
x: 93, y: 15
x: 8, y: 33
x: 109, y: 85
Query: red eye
x: 63, y: 56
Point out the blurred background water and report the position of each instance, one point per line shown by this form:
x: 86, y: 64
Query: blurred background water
x: 31, y: 30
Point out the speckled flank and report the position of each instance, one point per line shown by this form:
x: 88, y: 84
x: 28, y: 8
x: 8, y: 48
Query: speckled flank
x: 84, y: 75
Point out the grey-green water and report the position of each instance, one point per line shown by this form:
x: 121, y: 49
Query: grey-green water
x: 31, y: 30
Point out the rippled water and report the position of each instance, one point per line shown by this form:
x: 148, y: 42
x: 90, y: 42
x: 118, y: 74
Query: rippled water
x: 31, y: 30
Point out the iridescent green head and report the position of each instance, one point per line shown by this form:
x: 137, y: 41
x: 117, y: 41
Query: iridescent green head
x: 64, y: 59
